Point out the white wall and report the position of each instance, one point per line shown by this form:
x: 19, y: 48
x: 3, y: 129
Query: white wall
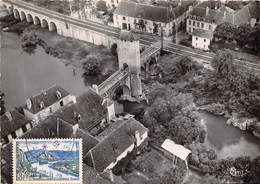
x: 191, y: 27
x: 200, y: 43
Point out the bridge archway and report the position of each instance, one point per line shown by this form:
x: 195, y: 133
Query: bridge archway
x: 52, y: 27
x: 29, y: 18
x: 121, y: 90
x: 16, y: 14
x: 22, y: 16
x: 44, y: 23
x: 36, y: 20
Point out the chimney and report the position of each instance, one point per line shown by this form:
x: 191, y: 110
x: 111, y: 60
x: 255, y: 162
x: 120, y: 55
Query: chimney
x: 138, y: 138
x: 58, y: 94
x: 95, y: 87
x: 9, y: 116
x: 207, y: 10
x: 29, y: 103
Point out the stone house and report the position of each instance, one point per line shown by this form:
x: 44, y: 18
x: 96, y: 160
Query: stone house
x: 201, y: 39
x: 116, y: 142
x: 13, y: 125
x: 40, y: 106
x: 149, y: 18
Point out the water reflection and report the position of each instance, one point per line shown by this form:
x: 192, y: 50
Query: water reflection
x: 25, y: 75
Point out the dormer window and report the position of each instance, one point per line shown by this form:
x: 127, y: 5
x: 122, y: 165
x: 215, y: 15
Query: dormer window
x: 41, y: 104
x: 77, y: 116
x: 58, y: 94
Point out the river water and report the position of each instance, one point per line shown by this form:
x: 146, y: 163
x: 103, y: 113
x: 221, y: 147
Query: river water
x: 24, y: 75
x: 52, y: 173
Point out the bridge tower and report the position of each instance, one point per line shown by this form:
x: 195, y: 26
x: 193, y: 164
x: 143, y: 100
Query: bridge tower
x: 128, y: 50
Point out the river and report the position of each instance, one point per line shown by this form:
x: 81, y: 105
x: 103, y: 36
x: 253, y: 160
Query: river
x: 24, y: 75
x: 52, y: 173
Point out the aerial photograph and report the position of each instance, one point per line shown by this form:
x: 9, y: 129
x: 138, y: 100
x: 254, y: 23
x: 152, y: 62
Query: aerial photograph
x: 130, y: 91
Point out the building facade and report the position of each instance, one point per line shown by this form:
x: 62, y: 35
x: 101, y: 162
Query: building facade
x: 149, y: 18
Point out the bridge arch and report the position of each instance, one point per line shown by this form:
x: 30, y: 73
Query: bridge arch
x: 52, y: 27
x: 44, y: 23
x: 29, y: 18
x: 22, y: 16
x: 16, y: 14
x: 36, y: 20
x: 121, y: 90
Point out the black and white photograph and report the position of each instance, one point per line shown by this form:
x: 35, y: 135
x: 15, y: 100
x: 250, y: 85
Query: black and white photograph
x: 130, y: 91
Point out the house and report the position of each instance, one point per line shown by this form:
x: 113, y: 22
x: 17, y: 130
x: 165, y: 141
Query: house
x: 13, y: 125
x: 202, y: 22
x: 88, y: 113
x: 47, y: 102
x: 117, y: 141
x: 201, y: 39
x: 248, y: 14
x: 149, y: 18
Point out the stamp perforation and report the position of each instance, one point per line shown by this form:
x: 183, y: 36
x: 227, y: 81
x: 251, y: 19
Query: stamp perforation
x: 80, y: 161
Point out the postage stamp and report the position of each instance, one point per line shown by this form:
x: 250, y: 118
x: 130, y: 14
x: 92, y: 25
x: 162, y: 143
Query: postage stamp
x: 42, y: 161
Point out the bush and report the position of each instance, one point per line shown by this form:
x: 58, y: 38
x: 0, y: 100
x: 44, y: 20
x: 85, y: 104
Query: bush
x: 92, y: 66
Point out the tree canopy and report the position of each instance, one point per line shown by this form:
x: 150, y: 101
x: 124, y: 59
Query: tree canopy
x: 2, y: 103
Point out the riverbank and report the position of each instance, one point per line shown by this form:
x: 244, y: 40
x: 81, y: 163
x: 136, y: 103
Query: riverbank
x: 70, y: 51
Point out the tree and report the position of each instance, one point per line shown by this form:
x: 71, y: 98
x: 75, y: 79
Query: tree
x: 91, y: 66
x: 223, y: 63
x: 242, y: 34
x: 101, y: 6
x: 2, y: 103
x: 225, y: 32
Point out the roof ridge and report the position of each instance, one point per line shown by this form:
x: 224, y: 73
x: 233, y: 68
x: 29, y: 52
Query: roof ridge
x: 142, y: 4
x: 39, y: 93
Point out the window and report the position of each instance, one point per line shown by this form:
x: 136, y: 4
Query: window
x: 196, y: 38
x: 189, y: 22
x: 204, y: 40
x: 194, y: 22
x: 67, y: 26
x: 202, y: 25
x: 117, y: 1
x: 61, y: 103
x: 257, y: 20
x: 189, y: 29
x: 198, y: 24
x: 24, y: 129
x: 209, y: 27
x: 123, y: 18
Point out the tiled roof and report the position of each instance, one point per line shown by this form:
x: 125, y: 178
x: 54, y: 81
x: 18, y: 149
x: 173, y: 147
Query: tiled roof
x: 114, y: 144
x: 48, y: 97
x: 242, y: 16
x: 57, y: 128
x: 12, y: 121
x: 144, y: 11
x: 88, y: 106
x: 202, y: 33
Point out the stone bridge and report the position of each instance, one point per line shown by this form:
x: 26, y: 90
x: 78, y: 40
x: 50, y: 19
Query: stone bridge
x: 117, y: 84
x: 64, y: 25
